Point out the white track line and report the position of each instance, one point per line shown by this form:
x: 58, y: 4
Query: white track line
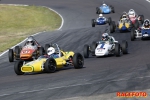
x: 62, y: 23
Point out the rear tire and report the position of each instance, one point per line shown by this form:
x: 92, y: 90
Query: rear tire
x: 50, y: 65
x: 41, y: 51
x: 17, y: 52
x: 17, y: 67
x: 93, y: 22
x: 97, y: 10
x: 11, y: 55
x: 111, y: 28
x: 136, y: 24
x: 78, y: 61
x: 124, y: 46
x: 117, y: 50
x: 109, y: 20
x: 132, y: 34
x: 86, y: 51
x: 93, y: 47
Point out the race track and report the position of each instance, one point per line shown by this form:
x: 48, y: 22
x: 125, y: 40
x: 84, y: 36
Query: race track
x: 100, y: 76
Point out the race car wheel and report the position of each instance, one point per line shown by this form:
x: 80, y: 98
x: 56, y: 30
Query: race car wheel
x: 11, y: 55
x: 141, y: 19
x: 109, y: 20
x: 78, y: 61
x: 97, y: 10
x: 124, y: 46
x: 93, y: 22
x: 86, y: 51
x: 114, y: 25
x: 112, y: 9
x: 136, y: 24
x: 50, y: 65
x: 132, y: 34
x: 117, y: 49
x: 111, y: 28
x: 17, y: 67
x: 41, y: 51
x: 93, y: 47
x: 17, y: 52
x: 46, y: 47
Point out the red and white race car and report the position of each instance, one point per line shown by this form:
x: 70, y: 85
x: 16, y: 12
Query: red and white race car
x: 31, y: 50
x: 135, y: 19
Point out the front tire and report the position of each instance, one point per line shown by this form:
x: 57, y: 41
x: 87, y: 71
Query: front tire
x: 124, y: 46
x: 17, y: 67
x: 86, y: 51
x: 17, y: 52
x: 132, y: 34
x: 11, y: 55
x: 78, y: 61
x: 50, y: 65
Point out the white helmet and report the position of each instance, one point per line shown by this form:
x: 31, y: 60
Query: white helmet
x: 30, y: 41
x: 131, y: 12
x: 50, y: 50
x: 100, y: 15
x: 104, y: 4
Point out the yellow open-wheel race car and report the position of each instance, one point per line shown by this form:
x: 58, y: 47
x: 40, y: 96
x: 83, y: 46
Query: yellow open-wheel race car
x: 49, y: 63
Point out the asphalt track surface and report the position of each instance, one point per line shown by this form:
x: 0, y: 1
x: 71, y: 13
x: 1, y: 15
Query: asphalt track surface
x: 100, y: 76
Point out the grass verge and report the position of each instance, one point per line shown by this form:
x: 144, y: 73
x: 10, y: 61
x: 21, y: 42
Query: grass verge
x: 19, y: 22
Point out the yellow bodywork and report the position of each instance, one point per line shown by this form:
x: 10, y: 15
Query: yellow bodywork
x: 123, y: 23
x: 38, y: 65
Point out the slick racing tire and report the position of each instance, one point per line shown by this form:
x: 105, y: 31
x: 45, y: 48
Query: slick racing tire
x: 50, y: 65
x: 11, y: 55
x: 112, y: 9
x: 17, y: 67
x: 93, y: 22
x: 78, y: 61
x: 124, y: 46
x: 109, y: 20
x: 93, y: 47
x: 136, y: 24
x: 97, y: 10
x: 132, y: 34
x: 117, y: 49
x: 17, y: 52
x: 141, y: 19
x: 111, y: 28
x: 46, y: 47
x: 41, y: 51
x: 86, y: 51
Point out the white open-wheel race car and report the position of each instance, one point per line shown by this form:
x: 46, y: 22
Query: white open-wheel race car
x: 105, y: 48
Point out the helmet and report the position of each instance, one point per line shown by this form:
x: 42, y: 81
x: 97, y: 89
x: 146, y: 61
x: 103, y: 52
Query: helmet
x: 50, y: 50
x: 30, y: 41
x: 105, y: 36
x: 146, y: 23
x: 131, y: 12
x: 124, y: 16
x: 104, y: 4
x: 100, y: 15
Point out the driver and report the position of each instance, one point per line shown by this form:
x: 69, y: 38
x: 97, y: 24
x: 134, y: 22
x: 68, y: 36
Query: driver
x: 30, y: 42
x: 52, y: 52
x: 106, y: 37
x: 104, y: 5
x: 146, y: 24
x: 101, y: 16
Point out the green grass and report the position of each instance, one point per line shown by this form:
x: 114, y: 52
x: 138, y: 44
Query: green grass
x: 19, y: 22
